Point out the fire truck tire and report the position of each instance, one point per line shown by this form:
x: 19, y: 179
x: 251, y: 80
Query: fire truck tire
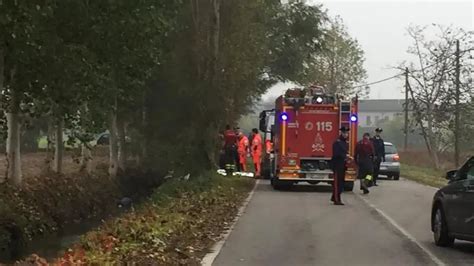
x: 348, y: 186
x: 267, y: 174
x: 280, y: 185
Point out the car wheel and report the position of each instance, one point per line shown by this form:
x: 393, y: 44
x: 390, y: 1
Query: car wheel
x: 440, y: 229
x: 396, y: 177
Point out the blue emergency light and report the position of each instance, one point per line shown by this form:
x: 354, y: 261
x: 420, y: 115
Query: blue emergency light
x: 353, y: 118
x: 284, y: 116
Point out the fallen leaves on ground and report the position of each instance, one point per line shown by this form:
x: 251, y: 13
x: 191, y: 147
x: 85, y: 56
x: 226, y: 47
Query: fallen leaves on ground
x: 177, y: 226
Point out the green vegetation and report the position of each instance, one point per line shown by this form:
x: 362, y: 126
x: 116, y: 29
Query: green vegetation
x: 139, y: 69
x: 424, y: 175
x: 36, y: 210
x: 168, y: 75
x: 176, y: 226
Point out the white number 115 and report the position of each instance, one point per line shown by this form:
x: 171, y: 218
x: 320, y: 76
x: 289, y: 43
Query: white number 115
x: 324, y: 126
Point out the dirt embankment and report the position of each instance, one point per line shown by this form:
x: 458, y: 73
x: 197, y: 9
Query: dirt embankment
x: 176, y: 226
x: 48, y: 202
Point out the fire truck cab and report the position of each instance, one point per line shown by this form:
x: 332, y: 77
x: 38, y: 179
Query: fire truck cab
x: 303, y: 126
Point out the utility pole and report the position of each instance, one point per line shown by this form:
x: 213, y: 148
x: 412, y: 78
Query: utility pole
x: 457, y: 107
x: 406, y: 110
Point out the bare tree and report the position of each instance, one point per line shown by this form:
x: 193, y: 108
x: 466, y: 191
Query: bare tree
x: 432, y: 82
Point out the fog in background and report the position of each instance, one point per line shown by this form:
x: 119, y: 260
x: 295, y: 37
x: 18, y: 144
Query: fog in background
x: 380, y: 27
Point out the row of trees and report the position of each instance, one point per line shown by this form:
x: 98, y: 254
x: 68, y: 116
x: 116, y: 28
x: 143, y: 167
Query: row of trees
x: 339, y: 67
x: 167, y: 74
x: 432, y: 80
x: 78, y: 63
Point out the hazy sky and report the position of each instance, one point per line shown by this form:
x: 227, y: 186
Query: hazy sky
x: 380, y: 27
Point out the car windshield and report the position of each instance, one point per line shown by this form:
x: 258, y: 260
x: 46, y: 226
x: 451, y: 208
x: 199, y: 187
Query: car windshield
x: 390, y: 149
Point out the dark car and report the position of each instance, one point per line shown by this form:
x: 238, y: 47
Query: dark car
x: 452, y: 215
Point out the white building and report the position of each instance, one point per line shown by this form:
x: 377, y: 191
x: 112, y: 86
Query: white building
x: 371, y: 112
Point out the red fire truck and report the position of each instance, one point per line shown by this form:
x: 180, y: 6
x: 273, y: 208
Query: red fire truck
x: 306, y: 123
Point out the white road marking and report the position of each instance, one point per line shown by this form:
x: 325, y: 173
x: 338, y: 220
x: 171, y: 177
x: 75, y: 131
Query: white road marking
x: 216, y: 249
x: 430, y: 254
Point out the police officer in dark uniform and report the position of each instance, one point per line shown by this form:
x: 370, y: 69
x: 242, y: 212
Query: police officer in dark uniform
x: 340, y: 153
x: 379, y: 148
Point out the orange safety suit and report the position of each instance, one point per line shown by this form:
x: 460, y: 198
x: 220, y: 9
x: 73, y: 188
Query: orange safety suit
x: 268, y: 146
x: 242, y: 149
x: 257, y: 153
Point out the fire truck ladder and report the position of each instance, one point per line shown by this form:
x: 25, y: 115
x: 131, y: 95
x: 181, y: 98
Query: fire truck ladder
x: 345, y: 114
x: 345, y: 108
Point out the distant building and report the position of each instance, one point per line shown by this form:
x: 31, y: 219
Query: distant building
x: 373, y: 112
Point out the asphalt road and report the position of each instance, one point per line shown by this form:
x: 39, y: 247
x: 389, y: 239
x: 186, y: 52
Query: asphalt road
x: 390, y: 226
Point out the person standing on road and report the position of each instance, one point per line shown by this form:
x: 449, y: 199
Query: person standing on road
x: 340, y: 153
x: 257, y: 151
x: 379, y: 148
x: 230, y: 147
x: 268, y: 146
x: 364, y: 156
x: 236, y: 154
x: 243, y: 150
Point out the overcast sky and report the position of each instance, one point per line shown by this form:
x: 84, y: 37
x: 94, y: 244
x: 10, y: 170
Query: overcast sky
x: 380, y: 27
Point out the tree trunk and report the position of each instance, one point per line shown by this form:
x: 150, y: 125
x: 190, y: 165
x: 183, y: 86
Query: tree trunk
x: 14, y: 174
x: 86, y: 159
x: 50, y: 137
x: 144, y: 150
x: 215, y: 36
x: 113, y: 146
x: 59, y: 148
x: 427, y: 133
x: 2, y: 80
x: 122, y: 149
x: 13, y: 157
x: 432, y: 140
x: 2, y: 72
x: 49, y: 146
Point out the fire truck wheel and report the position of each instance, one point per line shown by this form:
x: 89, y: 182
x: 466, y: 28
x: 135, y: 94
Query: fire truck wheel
x: 267, y: 174
x: 348, y: 186
x: 281, y: 185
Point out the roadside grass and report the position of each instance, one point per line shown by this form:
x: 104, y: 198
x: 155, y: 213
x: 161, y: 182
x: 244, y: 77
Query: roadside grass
x: 424, y: 175
x: 175, y: 226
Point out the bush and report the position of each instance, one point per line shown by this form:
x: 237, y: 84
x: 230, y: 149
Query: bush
x: 176, y: 226
x: 48, y: 203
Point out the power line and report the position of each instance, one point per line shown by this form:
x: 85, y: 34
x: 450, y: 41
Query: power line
x: 378, y: 81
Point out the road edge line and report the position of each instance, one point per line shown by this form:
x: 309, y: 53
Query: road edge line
x: 217, y: 247
x: 430, y: 254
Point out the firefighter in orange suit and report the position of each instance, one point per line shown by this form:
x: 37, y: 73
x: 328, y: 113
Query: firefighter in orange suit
x: 257, y: 151
x: 242, y: 149
x: 268, y: 146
